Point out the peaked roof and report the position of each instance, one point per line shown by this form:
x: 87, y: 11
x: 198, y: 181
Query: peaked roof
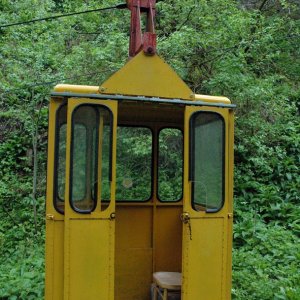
x: 147, y: 76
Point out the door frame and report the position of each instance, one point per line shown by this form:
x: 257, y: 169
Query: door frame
x: 89, y: 242
x: 194, y: 223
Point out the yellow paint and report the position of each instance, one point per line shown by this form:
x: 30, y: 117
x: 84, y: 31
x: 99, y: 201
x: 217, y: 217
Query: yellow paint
x: 204, y: 260
x: 55, y: 226
x: 212, y: 99
x: 89, y: 256
x: 147, y: 76
x: 227, y: 282
x: 83, y: 89
x: 89, y: 238
x: 206, y: 263
x: 90, y: 259
x: 134, y: 251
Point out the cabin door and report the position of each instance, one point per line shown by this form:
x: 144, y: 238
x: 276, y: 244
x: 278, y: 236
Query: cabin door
x: 207, y: 210
x: 90, y: 199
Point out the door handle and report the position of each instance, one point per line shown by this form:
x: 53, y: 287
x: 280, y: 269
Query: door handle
x: 185, y: 217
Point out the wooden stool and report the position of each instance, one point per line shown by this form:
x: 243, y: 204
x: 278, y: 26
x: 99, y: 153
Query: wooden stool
x: 167, y: 281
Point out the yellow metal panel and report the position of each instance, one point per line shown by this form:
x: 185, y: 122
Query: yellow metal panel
x: 134, y: 253
x: 70, y: 88
x: 147, y: 76
x: 205, y: 260
x: 207, y: 241
x: 133, y: 274
x: 58, y: 274
x: 54, y: 222
x: 214, y: 99
x: 90, y: 259
x: 89, y: 238
x: 168, y: 239
x: 230, y: 202
x: 133, y: 227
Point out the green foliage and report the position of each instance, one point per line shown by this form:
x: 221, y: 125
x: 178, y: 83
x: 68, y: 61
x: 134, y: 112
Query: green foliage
x: 223, y: 47
x: 134, y: 157
x: 267, y: 266
x: 22, y: 266
x: 21, y: 248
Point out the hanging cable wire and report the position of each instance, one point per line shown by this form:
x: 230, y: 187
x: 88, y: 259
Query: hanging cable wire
x: 118, y: 6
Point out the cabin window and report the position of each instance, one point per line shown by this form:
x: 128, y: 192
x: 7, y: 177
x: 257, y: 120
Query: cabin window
x: 90, y: 156
x: 207, y: 161
x: 60, y: 160
x: 170, y: 164
x: 104, y: 155
x: 79, y: 166
x: 134, y: 163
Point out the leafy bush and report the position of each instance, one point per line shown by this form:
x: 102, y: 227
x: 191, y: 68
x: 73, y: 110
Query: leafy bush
x: 266, y: 261
x: 245, y: 50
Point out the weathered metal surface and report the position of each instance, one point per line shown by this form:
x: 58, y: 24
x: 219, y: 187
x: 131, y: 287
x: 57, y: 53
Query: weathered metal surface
x: 138, y: 40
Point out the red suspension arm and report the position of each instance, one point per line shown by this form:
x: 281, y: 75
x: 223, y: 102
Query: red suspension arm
x: 142, y: 41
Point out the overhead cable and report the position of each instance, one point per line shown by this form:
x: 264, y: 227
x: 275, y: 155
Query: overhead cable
x: 118, y: 6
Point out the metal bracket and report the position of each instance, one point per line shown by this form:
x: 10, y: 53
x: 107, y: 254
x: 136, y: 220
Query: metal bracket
x: 138, y: 40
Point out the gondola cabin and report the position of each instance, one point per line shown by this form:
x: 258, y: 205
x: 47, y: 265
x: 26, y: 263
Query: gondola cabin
x: 139, y: 188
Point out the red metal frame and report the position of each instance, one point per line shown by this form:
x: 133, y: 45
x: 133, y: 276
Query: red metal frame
x: 139, y: 40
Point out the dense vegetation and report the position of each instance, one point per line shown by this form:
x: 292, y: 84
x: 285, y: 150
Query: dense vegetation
x: 246, y: 50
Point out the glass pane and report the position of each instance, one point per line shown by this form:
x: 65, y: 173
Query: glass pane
x: 134, y: 161
x: 104, y: 155
x: 170, y: 160
x: 61, y: 140
x: 106, y: 162
x: 61, y: 166
x: 207, y: 161
x: 79, y: 166
x: 91, y: 156
x: 82, y: 163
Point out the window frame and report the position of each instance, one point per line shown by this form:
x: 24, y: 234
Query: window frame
x: 58, y: 126
x: 192, y: 159
x: 111, y: 121
x: 182, y: 160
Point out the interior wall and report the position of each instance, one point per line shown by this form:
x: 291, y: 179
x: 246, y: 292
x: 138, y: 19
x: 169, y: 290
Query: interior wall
x: 148, y: 239
x: 168, y: 239
x: 133, y: 253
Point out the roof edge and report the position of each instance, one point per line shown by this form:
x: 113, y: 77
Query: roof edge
x: 213, y: 99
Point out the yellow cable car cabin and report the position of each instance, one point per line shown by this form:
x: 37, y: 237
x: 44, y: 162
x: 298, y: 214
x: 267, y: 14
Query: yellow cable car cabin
x: 139, y: 189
